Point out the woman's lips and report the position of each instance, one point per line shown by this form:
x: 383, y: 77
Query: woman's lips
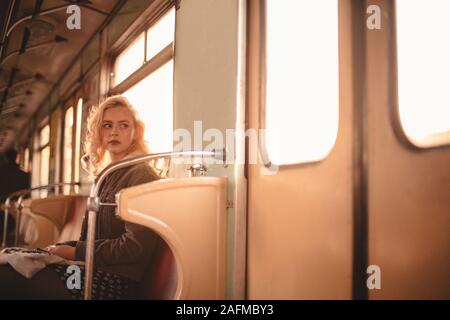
x: 114, y: 142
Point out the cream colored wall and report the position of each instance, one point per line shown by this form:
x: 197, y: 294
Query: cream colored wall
x: 205, y: 78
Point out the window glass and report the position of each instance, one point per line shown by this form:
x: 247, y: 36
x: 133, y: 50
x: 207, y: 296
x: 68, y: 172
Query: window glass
x: 302, y: 88
x: 423, y: 52
x: 26, y: 160
x: 161, y: 34
x: 44, y: 136
x: 153, y: 98
x: 44, y: 169
x: 131, y: 59
x: 67, y: 153
x: 43, y: 151
x: 76, y: 172
x: 35, y: 164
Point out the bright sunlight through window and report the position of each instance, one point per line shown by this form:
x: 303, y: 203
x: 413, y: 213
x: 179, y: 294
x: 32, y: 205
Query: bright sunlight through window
x: 302, y: 96
x: 68, y: 130
x: 130, y: 60
x: 44, y: 136
x: 161, y: 34
x: 153, y: 98
x: 423, y: 52
x: 44, y: 158
x: 76, y: 168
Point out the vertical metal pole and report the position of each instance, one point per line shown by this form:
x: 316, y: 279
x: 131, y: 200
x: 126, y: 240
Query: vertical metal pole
x: 89, y: 268
x: 5, y: 223
x: 16, y: 235
x: 19, y: 208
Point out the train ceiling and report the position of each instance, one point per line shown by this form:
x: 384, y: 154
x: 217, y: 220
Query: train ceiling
x: 36, y: 48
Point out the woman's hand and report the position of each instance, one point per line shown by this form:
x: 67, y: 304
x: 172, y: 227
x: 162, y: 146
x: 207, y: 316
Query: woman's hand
x: 66, y: 252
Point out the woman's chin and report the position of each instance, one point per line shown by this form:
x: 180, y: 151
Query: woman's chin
x: 115, y: 150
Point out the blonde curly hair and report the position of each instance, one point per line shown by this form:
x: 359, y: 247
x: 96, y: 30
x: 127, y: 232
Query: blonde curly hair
x: 95, y: 158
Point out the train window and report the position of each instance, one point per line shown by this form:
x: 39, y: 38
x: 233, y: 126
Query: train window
x: 44, y: 157
x: 79, y: 117
x: 153, y: 95
x: 131, y: 59
x: 423, y: 71
x: 26, y: 160
x: 302, y: 80
x: 153, y: 98
x: 67, y: 153
x: 161, y: 34
x: 44, y: 136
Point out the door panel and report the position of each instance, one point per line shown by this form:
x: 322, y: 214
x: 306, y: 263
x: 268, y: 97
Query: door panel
x: 374, y: 200
x: 300, y: 220
x: 409, y: 190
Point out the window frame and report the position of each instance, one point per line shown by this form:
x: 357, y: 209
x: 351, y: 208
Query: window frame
x: 149, y: 66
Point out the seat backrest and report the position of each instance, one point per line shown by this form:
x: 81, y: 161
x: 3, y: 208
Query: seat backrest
x: 74, y: 219
x: 35, y: 231
x: 55, y: 208
x: 51, y: 220
x: 160, y: 280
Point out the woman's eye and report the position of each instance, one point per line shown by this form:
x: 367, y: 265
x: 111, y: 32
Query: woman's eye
x: 124, y: 125
x: 106, y: 125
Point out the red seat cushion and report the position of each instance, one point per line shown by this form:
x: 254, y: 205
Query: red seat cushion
x: 160, y: 280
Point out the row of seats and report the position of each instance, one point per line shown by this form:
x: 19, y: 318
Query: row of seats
x: 59, y: 218
x: 199, y: 269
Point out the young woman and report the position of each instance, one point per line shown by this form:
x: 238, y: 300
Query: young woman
x: 123, y: 250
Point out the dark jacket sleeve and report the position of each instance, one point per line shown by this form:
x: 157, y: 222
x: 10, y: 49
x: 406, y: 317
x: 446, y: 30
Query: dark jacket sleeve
x: 130, y: 248
x: 133, y: 245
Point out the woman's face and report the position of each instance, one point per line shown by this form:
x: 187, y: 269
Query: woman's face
x: 117, y: 132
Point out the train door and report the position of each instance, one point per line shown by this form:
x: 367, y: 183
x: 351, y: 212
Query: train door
x: 374, y: 200
x: 299, y: 241
x: 408, y: 151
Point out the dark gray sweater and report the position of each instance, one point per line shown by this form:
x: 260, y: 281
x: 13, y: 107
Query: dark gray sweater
x: 123, y: 248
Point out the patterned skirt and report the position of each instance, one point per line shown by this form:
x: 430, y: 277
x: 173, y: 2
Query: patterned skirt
x: 105, y: 285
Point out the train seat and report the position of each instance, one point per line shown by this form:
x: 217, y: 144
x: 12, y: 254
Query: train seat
x: 189, y: 214
x: 160, y: 280
x: 51, y: 220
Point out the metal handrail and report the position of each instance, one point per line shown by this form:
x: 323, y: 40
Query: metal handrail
x: 21, y: 194
x: 94, y: 204
x: 6, y: 213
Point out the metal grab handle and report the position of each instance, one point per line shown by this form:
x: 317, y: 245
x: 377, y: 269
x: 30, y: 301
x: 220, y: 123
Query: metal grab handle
x: 94, y: 202
x: 21, y: 194
x: 197, y: 168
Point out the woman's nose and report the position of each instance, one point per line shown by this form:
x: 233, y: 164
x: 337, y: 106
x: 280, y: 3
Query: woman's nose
x: 114, y: 131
